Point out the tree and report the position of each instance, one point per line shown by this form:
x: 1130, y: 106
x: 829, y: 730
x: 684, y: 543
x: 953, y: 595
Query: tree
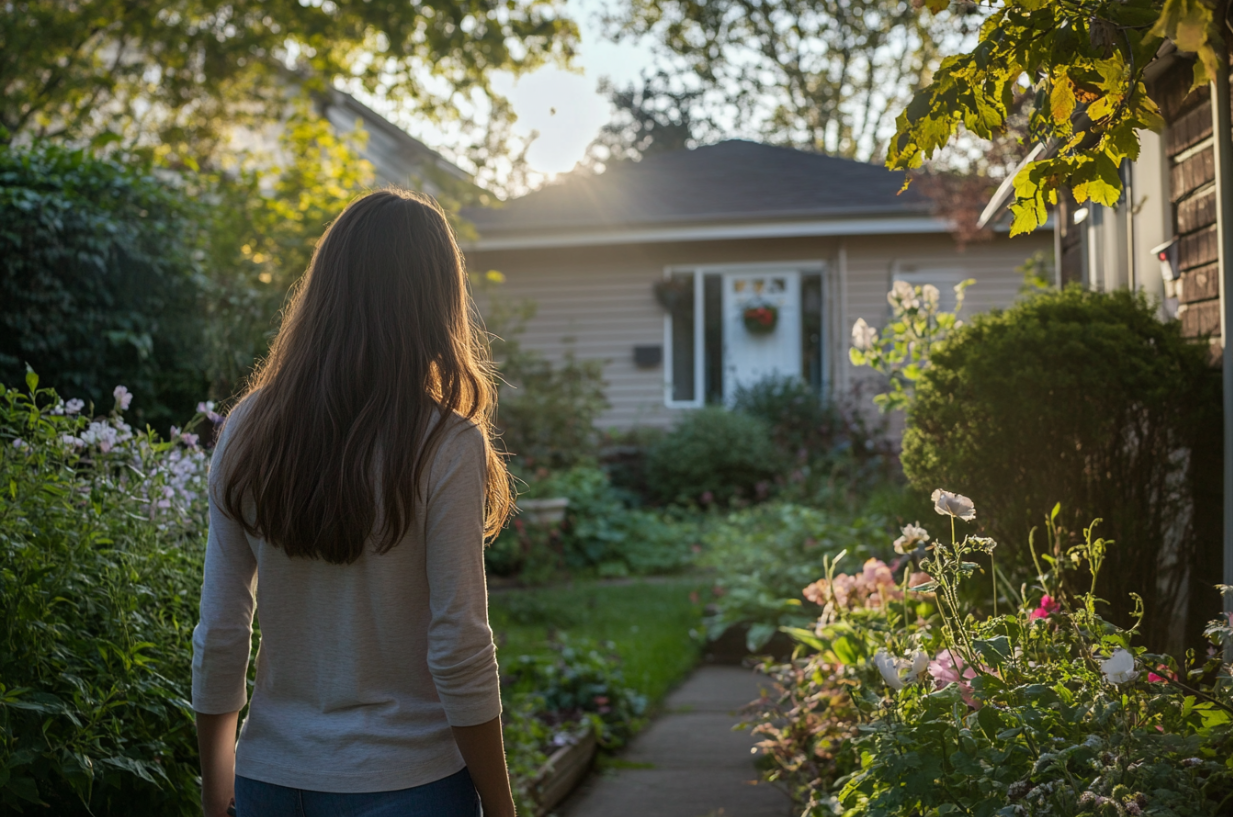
x: 173, y: 75
x: 1082, y: 62
x: 654, y: 117
x: 823, y: 75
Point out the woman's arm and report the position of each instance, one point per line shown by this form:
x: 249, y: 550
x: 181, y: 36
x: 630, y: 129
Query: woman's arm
x: 216, y: 742
x: 483, y: 750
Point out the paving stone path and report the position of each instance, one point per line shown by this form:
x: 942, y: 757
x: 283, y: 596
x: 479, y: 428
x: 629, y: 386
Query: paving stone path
x: 688, y: 762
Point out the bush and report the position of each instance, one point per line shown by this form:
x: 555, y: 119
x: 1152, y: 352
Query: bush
x: 601, y: 533
x: 100, y: 282
x: 837, y: 456
x: 547, y: 412
x: 1083, y: 397
x: 100, y: 570
x: 713, y: 455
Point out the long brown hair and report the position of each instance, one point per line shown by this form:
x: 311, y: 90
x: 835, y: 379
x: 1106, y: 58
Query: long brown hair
x: 378, y: 351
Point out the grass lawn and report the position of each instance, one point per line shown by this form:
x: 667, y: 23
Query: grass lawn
x: 649, y: 622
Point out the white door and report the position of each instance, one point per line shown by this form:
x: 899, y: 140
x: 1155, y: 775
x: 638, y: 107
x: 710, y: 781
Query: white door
x: 750, y: 356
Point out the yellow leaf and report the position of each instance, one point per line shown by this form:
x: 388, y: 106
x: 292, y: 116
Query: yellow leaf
x: 1062, y: 99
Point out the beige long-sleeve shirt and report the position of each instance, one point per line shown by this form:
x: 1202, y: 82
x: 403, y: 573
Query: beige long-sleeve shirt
x: 362, y: 668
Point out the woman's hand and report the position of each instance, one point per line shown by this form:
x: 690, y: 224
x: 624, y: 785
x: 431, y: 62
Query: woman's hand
x: 483, y: 750
x: 216, y: 743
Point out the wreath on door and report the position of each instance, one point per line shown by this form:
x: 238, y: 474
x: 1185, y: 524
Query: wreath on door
x: 761, y: 318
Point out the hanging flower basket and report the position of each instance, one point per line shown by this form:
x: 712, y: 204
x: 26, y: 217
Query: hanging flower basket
x: 674, y: 294
x: 761, y: 319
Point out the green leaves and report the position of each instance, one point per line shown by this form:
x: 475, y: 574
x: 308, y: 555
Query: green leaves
x: 1085, y: 61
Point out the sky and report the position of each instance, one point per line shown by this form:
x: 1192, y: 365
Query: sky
x: 564, y: 106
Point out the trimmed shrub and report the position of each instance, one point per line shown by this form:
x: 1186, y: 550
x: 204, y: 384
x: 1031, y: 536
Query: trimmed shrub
x: 100, y: 281
x: 1083, y: 398
x: 713, y: 455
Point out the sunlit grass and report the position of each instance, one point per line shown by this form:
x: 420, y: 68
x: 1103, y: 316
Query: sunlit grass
x: 649, y: 624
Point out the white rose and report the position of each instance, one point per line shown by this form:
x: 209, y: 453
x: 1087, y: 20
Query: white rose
x: 1119, y: 668
x: 889, y: 668
x: 956, y: 505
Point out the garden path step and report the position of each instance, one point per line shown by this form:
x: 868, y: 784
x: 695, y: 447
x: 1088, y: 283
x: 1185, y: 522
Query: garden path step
x: 688, y: 762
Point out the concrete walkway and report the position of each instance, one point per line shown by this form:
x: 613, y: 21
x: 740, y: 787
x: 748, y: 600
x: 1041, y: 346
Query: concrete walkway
x: 688, y: 762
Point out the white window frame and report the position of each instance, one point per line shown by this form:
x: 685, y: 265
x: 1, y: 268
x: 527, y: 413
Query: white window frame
x: 808, y: 267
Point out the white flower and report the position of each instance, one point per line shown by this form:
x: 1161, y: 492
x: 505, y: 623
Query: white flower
x: 903, y: 294
x: 1119, y: 668
x: 74, y: 406
x: 20, y: 444
x: 863, y: 335
x: 123, y: 398
x: 898, y: 672
x: 956, y: 505
x: 929, y: 293
x: 887, y: 665
x: 913, y: 537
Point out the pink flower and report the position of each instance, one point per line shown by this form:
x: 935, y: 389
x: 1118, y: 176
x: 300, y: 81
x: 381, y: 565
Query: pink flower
x: 123, y: 398
x: 1047, y: 607
x: 949, y: 669
x: 1164, y: 676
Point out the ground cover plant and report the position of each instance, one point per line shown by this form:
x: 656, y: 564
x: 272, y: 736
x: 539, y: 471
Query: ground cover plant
x: 903, y: 701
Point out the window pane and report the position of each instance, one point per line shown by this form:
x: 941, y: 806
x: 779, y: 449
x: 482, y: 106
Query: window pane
x: 683, y: 353
x: 713, y: 336
x: 811, y: 329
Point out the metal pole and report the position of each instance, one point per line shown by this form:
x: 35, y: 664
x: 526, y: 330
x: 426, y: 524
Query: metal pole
x: 1222, y: 127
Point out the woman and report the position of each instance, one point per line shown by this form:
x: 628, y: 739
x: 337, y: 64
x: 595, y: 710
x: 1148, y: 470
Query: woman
x: 350, y: 495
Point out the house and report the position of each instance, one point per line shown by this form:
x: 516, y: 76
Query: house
x: 397, y: 157
x: 652, y: 266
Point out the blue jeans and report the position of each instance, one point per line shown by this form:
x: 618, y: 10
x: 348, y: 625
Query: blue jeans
x: 452, y: 796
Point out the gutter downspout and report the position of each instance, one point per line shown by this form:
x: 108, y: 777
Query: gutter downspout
x: 1222, y: 128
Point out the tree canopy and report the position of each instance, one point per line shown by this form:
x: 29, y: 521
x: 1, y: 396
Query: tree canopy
x: 1083, y: 63
x: 825, y: 75
x: 176, y: 73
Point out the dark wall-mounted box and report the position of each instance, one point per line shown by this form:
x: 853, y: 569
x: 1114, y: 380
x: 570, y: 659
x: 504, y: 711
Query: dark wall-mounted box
x: 648, y: 357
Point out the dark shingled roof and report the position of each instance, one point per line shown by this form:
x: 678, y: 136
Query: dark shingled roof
x: 731, y: 181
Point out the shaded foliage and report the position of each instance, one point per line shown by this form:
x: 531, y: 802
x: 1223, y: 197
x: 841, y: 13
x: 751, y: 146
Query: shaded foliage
x: 1079, y: 397
x: 101, y: 280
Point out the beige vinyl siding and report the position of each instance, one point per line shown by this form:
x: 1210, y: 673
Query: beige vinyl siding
x: 599, y: 303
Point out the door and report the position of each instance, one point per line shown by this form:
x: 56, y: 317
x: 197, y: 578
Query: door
x: 755, y: 352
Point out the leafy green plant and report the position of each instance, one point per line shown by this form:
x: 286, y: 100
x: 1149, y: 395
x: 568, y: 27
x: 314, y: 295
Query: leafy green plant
x: 764, y: 555
x: 1047, y: 709
x: 581, y: 681
x: 834, y: 454
x: 713, y: 456
x: 101, y: 543
x: 1087, y: 99
x: 101, y: 280
x: 1088, y: 397
x: 901, y: 350
x: 601, y: 533
x: 547, y: 411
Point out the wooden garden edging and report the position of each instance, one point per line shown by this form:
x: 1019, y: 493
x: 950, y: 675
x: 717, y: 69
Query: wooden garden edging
x: 563, y: 771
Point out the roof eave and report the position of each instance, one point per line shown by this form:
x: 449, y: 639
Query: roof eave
x: 526, y: 239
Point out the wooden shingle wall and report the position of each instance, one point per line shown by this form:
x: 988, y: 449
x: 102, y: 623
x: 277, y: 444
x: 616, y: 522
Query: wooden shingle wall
x: 1192, y: 176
